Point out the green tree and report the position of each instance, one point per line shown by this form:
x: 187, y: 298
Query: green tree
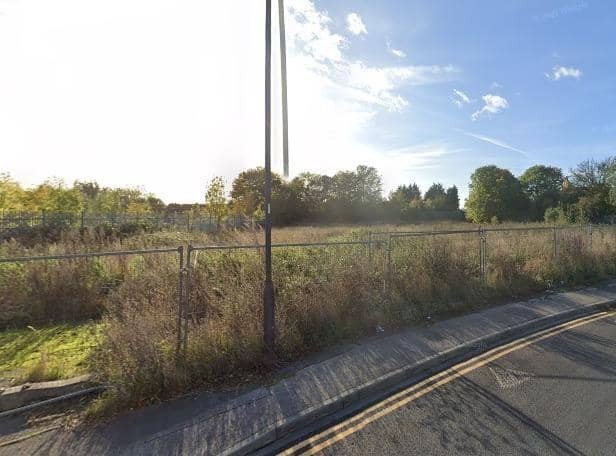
x: 435, y: 197
x: 355, y: 194
x: 592, y: 174
x: 405, y: 193
x: 362, y: 186
x: 591, y: 208
x: 543, y: 186
x: 11, y: 193
x: 155, y: 204
x: 247, y: 191
x: 495, y: 194
x: 590, y: 191
x: 369, y: 184
x: 216, y: 200
x: 124, y: 200
x: 402, y: 196
x: 53, y: 196
x: 90, y: 190
x: 313, y: 193
x: 452, y: 199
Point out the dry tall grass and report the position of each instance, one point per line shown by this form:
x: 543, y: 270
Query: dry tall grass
x: 323, y: 295
x: 326, y: 295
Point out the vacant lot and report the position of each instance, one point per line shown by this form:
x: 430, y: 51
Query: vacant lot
x: 323, y: 294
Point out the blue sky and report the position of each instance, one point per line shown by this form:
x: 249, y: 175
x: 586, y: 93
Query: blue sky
x: 552, y: 61
x: 165, y: 95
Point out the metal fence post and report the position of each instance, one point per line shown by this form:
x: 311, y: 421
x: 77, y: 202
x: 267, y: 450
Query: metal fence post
x: 180, y: 339
x: 485, y: 257
x: 188, y: 271
x: 554, y: 240
x: 387, y: 269
x: 370, y: 247
x: 482, y: 254
x: 479, y: 236
x: 590, y: 236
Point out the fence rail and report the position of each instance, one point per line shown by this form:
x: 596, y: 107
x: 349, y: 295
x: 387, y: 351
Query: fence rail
x: 381, y: 253
x: 68, y: 256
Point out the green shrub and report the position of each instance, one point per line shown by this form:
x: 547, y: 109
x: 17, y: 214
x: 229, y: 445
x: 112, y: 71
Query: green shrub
x: 555, y: 215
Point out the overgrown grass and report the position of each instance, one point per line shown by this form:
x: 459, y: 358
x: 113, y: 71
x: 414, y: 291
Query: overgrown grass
x: 47, y: 353
x: 323, y: 295
x: 77, y: 289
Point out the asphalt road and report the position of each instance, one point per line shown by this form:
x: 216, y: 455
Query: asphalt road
x: 555, y: 396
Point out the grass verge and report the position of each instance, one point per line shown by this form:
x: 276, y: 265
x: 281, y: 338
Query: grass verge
x: 46, y: 353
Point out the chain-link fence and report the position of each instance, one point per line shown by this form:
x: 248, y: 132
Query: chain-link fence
x: 51, y: 305
x: 207, y: 301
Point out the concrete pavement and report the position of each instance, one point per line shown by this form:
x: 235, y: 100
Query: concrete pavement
x: 237, y: 422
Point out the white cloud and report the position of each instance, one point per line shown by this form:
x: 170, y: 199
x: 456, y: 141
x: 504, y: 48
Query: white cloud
x: 562, y: 11
x: 423, y: 155
x: 495, y: 142
x: 493, y: 104
x: 380, y: 82
x: 334, y: 100
x: 460, y: 98
x: 397, y: 52
x: 309, y: 30
x: 397, y: 165
x: 495, y: 85
x: 356, y: 25
x: 324, y: 52
x: 559, y: 72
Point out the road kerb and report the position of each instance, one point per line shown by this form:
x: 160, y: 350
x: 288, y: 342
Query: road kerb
x: 385, y: 383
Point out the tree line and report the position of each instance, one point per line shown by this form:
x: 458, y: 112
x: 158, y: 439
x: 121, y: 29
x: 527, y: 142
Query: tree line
x: 541, y: 193
x: 587, y: 194
x: 544, y: 193
x: 54, y: 195
x: 346, y: 197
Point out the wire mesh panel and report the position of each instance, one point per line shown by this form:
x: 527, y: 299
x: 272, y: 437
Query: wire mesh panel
x: 71, y: 287
x: 51, y: 307
x: 592, y: 248
x: 224, y: 308
x: 573, y: 240
x: 325, y: 292
x: 432, y: 272
x: 518, y: 258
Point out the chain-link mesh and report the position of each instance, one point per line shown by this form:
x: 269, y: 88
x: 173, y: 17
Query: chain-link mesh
x: 207, y: 306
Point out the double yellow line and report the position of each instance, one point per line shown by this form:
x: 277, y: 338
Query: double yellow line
x: 342, y: 430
